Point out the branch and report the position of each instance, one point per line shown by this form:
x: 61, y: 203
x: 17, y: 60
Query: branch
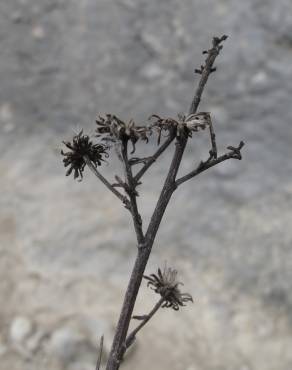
x: 210, y: 162
x: 167, y: 190
x: 136, y: 160
x: 124, y: 199
x: 132, y: 193
x: 170, y: 184
x: 206, y: 70
x: 213, y: 151
x: 132, y: 336
x: 99, y: 353
x: 153, y: 158
x: 118, y: 345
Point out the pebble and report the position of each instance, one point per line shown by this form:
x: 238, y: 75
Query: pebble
x: 69, y: 345
x: 21, y: 327
x: 64, y: 343
x: 38, y: 32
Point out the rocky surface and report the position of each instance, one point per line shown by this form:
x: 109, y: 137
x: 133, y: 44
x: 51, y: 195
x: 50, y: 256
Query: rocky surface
x: 67, y: 247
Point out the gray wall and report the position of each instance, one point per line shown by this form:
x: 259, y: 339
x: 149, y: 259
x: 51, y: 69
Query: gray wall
x: 67, y: 247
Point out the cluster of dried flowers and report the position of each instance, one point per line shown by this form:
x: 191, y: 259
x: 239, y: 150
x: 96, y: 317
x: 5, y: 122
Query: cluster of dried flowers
x: 110, y: 129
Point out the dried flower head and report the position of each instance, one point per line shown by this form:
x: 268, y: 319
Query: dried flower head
x: 184, y: 126
x: 111, y: 129
x: 196, y: 122
x: 80, y: 148
x: 166, y: 284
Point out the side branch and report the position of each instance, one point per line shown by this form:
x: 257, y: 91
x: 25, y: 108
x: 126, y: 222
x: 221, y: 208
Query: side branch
x: 213, y: 151
x: 210, y: 162
x: 132, y: 336
x: 123, y: 198
x: 153, y: 158
x: 132, y: 193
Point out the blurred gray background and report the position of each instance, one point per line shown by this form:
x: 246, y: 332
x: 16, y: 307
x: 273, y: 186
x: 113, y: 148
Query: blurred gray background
x: 67, y: 247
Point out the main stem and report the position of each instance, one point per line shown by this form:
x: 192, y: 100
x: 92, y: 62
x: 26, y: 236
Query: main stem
x: 118, y: 346
x: 144, y: 250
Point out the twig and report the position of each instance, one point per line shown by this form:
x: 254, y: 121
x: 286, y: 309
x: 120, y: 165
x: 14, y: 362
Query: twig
x: 203, y: 166
x: 153, y: 158
x: 135, y: 160
x: 123, y: 198
x: 99, y: 353
x: 132, y: 336
x: 206, y: 70
x: 213, y: 151
x: 132, y: 193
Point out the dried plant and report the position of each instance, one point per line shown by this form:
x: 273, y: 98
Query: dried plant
x: 166, y: 284
x: 113, y: 131
x: 81, y: 149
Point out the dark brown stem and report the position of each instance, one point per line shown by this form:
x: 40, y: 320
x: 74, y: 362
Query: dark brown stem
x: 130, y: 188
x: 132, y: 336
x: 124, y: 199
x: 167, y: 191
x: 205, y: 71
x: 203, y: 166
x: 118, y: 346
x: 119, y: 343
x: 213, y: 151
x: 153, y: 158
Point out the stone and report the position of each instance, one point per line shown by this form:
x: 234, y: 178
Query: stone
x: 69, y: 344
x: 64, y: 343
x: 21, y: 327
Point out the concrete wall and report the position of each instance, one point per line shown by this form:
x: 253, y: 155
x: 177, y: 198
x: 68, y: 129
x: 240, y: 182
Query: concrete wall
x: 67, y: 247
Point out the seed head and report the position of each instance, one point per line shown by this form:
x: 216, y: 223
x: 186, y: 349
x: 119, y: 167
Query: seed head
x: 80, y: 148
x: 112, y: 129
x: 166, y: 284
x: 183, y: 126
